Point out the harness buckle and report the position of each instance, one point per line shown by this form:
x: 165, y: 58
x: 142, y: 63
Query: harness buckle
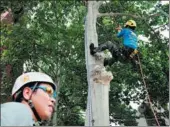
x: 134, y: 53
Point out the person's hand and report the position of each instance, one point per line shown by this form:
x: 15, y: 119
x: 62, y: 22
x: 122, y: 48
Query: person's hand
x: 119, y: 28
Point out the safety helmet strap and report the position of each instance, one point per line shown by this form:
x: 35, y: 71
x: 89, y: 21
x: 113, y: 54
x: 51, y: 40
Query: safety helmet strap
x: 32, y: 105
x: 34, y: 110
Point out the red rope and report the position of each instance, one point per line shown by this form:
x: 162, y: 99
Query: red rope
x: 147, y: 92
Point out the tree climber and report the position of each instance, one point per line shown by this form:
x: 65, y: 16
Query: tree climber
x: 129, y: 50
x: 34, y: 95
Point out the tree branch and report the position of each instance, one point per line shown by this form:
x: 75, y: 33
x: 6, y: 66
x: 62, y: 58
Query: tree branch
x: 117, y: 14
x: 126, y: 14
x: 99, y: 3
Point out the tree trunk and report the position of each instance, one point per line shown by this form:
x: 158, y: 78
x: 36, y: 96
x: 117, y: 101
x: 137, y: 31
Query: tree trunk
x: 97, y: 113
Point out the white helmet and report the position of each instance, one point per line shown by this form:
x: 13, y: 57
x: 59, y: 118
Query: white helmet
x: 30, y: 77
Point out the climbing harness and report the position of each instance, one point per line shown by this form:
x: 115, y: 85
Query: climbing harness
x: 147, y: 92
x: 133, y: 53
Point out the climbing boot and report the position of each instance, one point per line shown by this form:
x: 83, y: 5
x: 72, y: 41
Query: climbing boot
x: 92, y: 49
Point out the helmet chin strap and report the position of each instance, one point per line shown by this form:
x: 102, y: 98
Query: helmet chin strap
x: 32, y: 105
x: 34, y: 110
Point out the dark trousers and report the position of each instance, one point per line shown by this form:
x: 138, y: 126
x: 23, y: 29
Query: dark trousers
x: 118, y: 54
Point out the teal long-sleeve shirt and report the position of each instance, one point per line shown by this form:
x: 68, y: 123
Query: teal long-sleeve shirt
x: 129, y: 38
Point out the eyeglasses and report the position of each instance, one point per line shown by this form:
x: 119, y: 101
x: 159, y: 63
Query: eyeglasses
x: 48, y: 90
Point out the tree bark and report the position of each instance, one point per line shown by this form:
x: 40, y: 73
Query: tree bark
x: 97, y: 113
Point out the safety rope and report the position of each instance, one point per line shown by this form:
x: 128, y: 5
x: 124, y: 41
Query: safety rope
x: 91, y: 123
x: 147, y: 92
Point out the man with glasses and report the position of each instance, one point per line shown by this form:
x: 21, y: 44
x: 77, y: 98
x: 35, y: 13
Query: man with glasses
x: 34, y: 95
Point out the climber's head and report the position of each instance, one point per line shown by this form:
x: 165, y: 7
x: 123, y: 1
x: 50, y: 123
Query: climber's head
x: 130, y: 24
x: 38, y: 91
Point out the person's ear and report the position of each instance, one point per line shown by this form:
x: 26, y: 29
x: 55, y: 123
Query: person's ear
x: 27, y: 93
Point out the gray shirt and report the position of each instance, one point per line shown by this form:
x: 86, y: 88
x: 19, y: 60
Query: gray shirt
x: 15, y: 114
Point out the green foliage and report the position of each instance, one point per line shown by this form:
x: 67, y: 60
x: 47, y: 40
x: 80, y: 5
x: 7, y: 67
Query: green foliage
x: 49, y: 37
